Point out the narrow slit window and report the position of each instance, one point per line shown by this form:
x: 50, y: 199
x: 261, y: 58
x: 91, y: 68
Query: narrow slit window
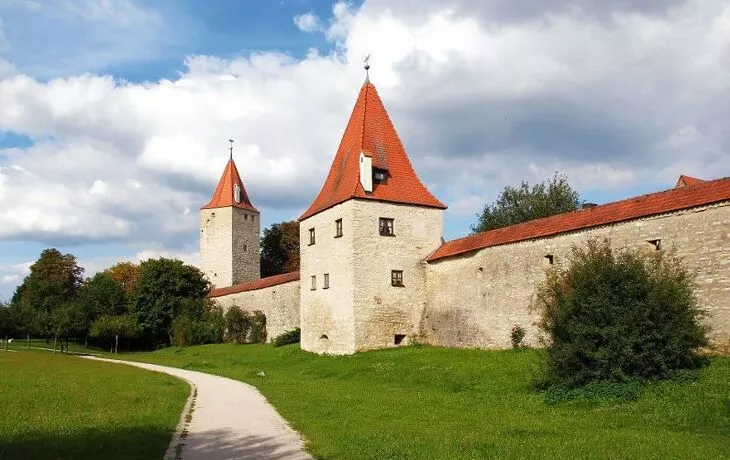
x: 326, y: 282
x: 396, y: 278
x: 386, y: 226
x: 549, y: 259
x: 314, y: 282
x: 311, y: 236
x: 338, y: 228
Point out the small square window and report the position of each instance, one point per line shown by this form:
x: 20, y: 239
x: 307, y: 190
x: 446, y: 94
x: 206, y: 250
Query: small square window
x: 656, y: 243
x: 314, y: 282
x: 311, y: 236
x: 326, y: 284
x: 338, y: 228
x: 380, y: 176
x: 396, y: 277
x: 386, y: 226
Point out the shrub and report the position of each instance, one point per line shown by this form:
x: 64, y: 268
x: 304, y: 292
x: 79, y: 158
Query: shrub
x: 288, y: 337
x: 517, y: 335
x: 199, y: 322
x: 238, y: 325
x: 617, y: 316
x: 258, y: 327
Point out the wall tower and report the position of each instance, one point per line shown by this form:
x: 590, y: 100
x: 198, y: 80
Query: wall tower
x: 364, y: 240
x: 229, y: 232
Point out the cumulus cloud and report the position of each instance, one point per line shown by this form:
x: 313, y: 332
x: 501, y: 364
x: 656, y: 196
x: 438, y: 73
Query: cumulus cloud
x: 483, y: 94
x: 307, y: 22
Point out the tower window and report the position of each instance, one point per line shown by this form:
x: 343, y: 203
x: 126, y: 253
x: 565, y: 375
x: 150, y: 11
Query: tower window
x: 245, y: 248
x: 311, y: 236
x: 338, y: 228
x: 245, y: 216
x: 237, y: 193
x: 386, y: 226
x: 396, y: 278
x: 549, y: 259
x: 326, y: 284
x: 314, y: 282
x: 656, y: 243
x: 380, y: 176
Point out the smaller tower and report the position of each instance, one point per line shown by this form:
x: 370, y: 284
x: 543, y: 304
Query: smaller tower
x: 229, y: 232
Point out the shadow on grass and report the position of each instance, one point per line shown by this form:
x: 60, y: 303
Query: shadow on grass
x: 89, y: 444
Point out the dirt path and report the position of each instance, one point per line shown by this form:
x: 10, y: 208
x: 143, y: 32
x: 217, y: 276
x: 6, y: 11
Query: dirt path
x: 227, y: 419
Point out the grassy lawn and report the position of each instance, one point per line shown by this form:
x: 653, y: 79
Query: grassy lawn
x: 436, y: 403
x: 20, y: 344
x: 55, y: 406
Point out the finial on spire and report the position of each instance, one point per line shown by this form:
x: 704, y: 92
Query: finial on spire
x: 367, y: 68
x: 231, y: 148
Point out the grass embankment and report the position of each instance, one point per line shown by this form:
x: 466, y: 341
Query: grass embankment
x: 445, y: 403
x: 54, y: 406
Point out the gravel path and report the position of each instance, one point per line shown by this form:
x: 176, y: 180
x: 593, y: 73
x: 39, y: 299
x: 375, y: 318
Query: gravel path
x: 226, y: 419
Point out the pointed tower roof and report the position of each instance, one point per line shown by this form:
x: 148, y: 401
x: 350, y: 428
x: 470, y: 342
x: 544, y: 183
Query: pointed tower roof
x: 371, y: 132
x: 224, y: 194
x: 688, y: 181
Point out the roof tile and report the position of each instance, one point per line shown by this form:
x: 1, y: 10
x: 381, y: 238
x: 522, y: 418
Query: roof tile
x: 223, y: 195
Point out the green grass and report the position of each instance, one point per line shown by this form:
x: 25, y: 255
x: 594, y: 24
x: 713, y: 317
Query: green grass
x: 55, y: 406
x: 20, y: 344
x: 435, y: 403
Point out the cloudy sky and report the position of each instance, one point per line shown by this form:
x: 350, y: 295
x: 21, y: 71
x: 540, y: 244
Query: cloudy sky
x: 115, y: 114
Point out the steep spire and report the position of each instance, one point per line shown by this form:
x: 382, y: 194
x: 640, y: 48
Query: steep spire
x: 371, y: 133
x: 226, y: 194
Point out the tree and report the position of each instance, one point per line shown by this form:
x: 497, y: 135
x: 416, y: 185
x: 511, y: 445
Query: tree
x: 200, y: 321
x: 280, y: 249
x: 524, y: 203
x: 53, y: 282
x: 112, y: 327
x: 7, y: 325
x: 98, y: 296
x: 125, y: 274
x: 27, y: 321
x: 162, y: 287
x: 64, y: 320
x: 613, y: 316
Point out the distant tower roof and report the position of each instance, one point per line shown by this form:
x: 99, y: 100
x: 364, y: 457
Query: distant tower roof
x: 226, y: 194
x: 371, y: 132
x: 688, y: 181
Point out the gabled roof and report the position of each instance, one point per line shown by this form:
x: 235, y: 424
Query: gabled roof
x: 700, y: 193
x: 256, y: 284
x: 223, y: 195
x: 686, y: 181
x: 371, y: 132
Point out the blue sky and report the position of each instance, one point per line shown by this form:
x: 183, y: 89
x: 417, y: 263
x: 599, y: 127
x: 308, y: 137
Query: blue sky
x: 114, y: 116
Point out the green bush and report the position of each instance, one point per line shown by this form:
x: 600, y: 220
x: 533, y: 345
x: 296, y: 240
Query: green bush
x: 258, y: 327
x: 517, y: 335
x: 288, y: 337
x: 618, y: 316
x: 200, y: 321
x: 238, y: 325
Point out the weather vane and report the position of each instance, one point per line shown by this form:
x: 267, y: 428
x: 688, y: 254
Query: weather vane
x: 367, y: 67
x: 231, y: 147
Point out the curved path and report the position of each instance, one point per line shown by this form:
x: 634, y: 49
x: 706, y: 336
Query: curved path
x: 226, y: 419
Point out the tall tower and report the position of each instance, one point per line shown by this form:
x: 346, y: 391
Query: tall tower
x: 229, y: 232
x: 364, y: 241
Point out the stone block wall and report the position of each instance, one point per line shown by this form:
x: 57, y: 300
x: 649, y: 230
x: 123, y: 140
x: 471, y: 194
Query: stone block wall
x: 245, y: 235
x: 279, y: 303
x: 473, y: 300
x: 216, y: 245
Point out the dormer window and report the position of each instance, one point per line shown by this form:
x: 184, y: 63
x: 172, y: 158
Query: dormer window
x: 380, y: 176
x: 237, y: 193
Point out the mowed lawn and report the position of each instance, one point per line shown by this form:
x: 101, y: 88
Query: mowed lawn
x: 55, y: 406
x: 435, y: 403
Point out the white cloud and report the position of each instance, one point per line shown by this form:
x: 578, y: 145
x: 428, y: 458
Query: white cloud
x: 614, y: 100
x: 307, y: 22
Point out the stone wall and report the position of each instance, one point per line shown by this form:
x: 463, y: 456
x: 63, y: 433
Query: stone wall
x: 246, y: 257
x: 473, y: 300
x: 327, y: 314
x: 383, y: 311
x: 279, y: 303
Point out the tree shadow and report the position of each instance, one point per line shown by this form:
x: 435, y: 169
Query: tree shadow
x: 141, y: 443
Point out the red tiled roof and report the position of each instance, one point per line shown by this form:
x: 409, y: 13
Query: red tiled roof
x: 698, y: 194
x: 223, y: 195
x: 686, y: 181
x: 256, y: 284
x: 371, y: 131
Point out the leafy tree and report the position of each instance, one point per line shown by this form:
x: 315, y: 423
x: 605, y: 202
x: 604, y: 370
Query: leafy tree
x: 65, y: 320
x: 7, y: 325
x: 27, y: 320
x: 280, y: 249
x: 125, y: 274
x: 112, y: 327
x: 524, y: 203
x: 162, y: 287
x: 200, y: 321
x: 102, y: 295
x: 238, y: 325
x: 616, y: 316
